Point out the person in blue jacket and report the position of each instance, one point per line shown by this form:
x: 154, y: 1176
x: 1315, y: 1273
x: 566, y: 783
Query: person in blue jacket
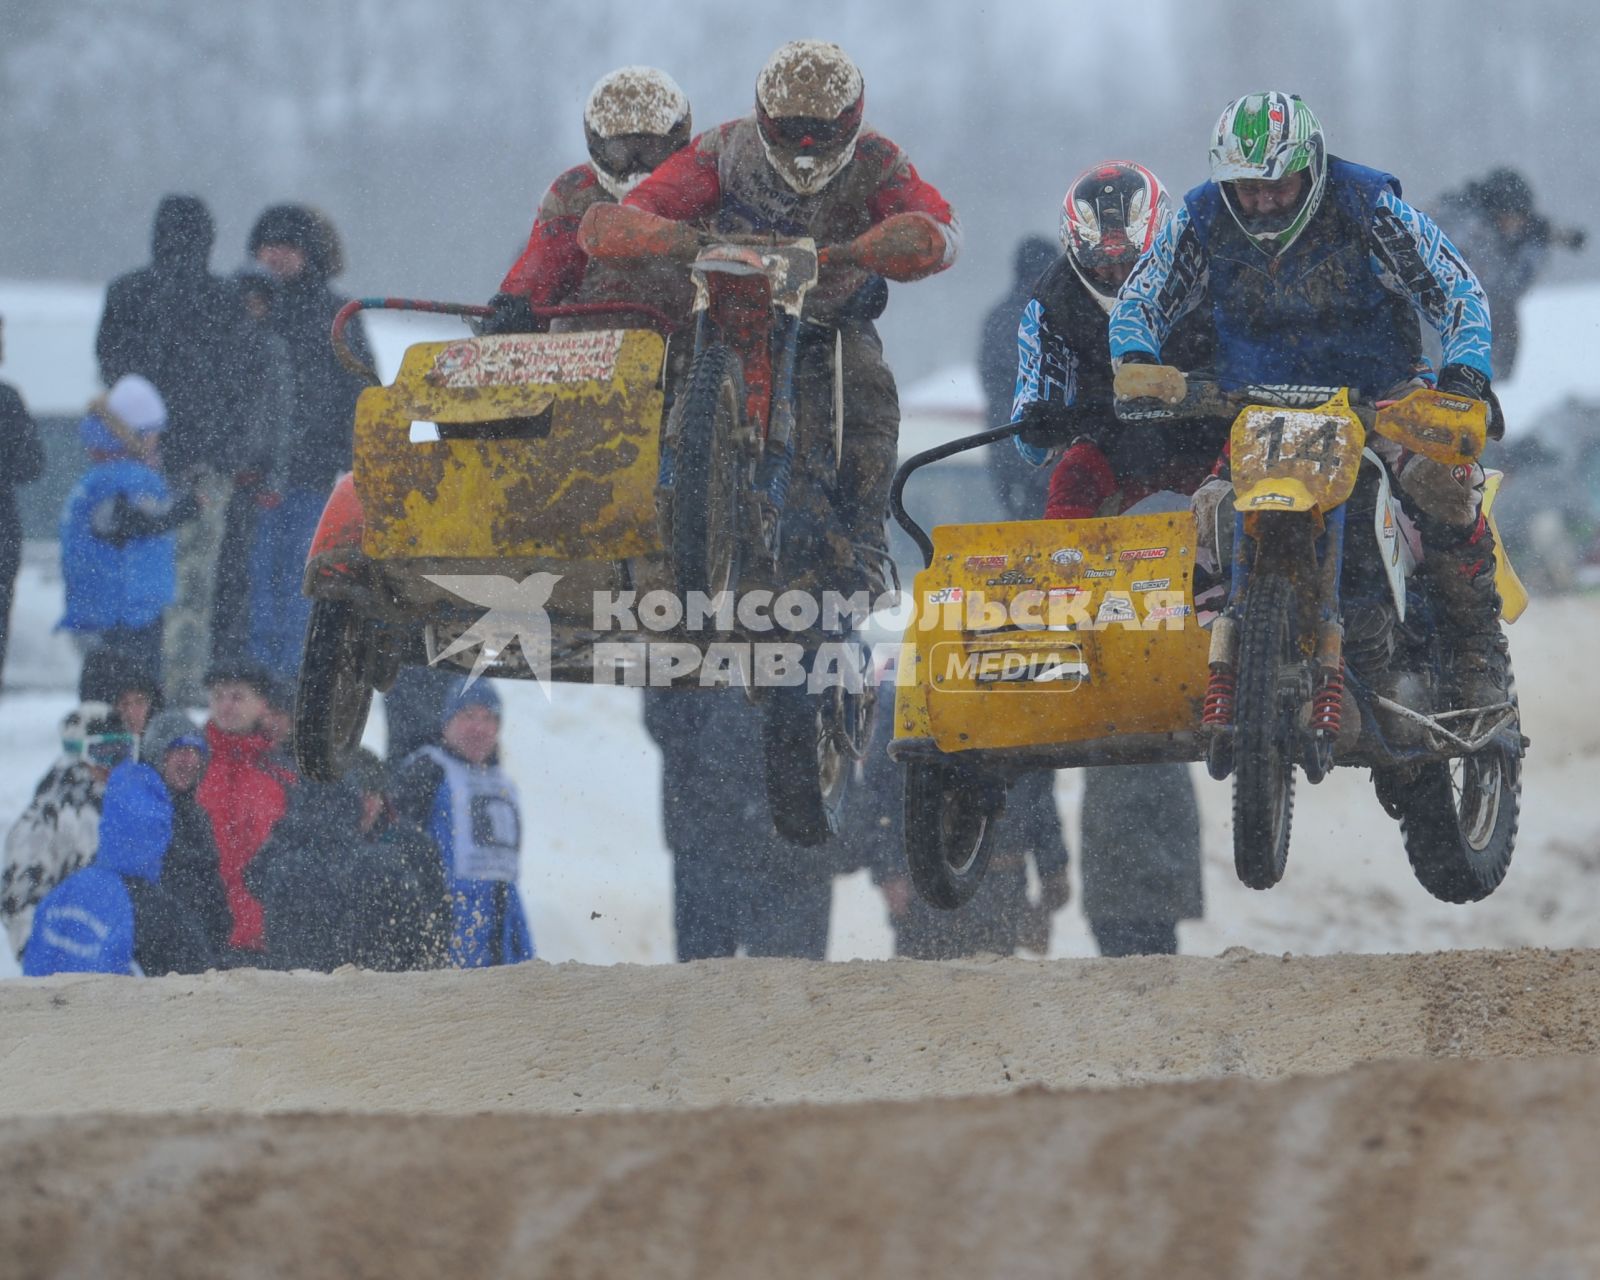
x: 1315, y: 272
x: 113, y: 916
x: 457, y: 792
x: 118, y: 551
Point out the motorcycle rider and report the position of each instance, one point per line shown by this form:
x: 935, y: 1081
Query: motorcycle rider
x: 1315, y: 271
x: 634, y: 119
x: 1109, y: 217
x: 803, y: 164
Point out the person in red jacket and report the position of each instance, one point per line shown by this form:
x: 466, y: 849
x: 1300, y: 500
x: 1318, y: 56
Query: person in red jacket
x: 244, y: 792
x: 635, y: 118
x: 804, y: 164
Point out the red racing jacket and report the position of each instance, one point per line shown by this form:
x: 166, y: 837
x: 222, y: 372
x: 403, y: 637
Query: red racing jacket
x: 554, y: 269
x: 722, y: 181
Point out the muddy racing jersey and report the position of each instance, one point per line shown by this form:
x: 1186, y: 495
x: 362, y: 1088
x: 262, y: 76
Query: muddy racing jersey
x: 554, y: 269
x: 1338, y: 307
x: 722, y: 179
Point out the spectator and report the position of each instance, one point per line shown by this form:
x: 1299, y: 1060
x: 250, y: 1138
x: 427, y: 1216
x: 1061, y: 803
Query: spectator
x: 277, y: 720
x: 58, y: 831
x: 411, y: 709
x: 113, y: 916
x: 456, y: 791
x: 1506, y: 242
x: 259, y: 483
x: 301, y: 249
x: 180, y: 326
x: 1141, y: 857
x: 735, y: 882
x: 21, y: 462
x: 243, y: 792
x: 343, y: 880
x: 128, y: 686
x: 1020, y: 487
x: 192, y: 872
x: 117, y: 546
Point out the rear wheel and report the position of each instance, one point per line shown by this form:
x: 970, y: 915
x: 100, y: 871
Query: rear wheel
x: 1458, y: 819
x: 705, y: 504
x: 335, y: 690
x: 1264, y: 740
x: 949, y: 815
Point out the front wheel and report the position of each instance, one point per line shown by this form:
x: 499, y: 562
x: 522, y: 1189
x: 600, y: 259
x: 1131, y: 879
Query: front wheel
x: 807, y: 762
x: 1264, y: 736
x: 949, y: 815
x: 335, y: 691
x: 705, y: 503
x: 1458, y: 819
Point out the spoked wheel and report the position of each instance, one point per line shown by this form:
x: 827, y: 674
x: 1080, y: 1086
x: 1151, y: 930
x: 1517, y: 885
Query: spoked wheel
x: 1458, y: 819
x: 949, y: 815
x: 807, y: 760
x: 1264, y: 742
x: 335, y: 691
x: 705, y: 504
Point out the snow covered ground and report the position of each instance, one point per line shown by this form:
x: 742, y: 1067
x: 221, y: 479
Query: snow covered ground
x: 597, y: 877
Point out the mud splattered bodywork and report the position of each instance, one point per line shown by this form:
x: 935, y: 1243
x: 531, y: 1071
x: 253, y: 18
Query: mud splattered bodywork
x: 547, y: 448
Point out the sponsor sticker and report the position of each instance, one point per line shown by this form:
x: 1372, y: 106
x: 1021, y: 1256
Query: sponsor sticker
x: 1099, y: 573
x: 514, y: 359
x: 1272, y: 499
x: 1145, y: 553
x: 1066, y: 555
x: 1152, y: 584
x: 1066, y: 593
x: 946, y: 595
x: 1168, y: 611
x: 975, y: 563
x: 1115, y: 608
x: 1010, y: 578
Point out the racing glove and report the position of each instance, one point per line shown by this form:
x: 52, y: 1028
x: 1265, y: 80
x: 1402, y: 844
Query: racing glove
x: 1464, y: 380
x: 906, y: 246
x: 613, y: 231
x: 511, y: 313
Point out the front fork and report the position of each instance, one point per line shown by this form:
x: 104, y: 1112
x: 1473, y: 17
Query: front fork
x: 1327, y: 694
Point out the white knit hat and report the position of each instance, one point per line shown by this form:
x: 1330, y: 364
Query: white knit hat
x: 138, y: 404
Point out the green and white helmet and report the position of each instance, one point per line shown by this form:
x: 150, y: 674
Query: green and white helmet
x: 1263, y: 137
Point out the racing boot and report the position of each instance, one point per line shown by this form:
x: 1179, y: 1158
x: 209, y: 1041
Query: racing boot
x: 1458, y: 567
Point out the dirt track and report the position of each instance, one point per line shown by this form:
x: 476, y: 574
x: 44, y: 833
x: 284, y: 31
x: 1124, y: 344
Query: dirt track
x: 1423, y: 1166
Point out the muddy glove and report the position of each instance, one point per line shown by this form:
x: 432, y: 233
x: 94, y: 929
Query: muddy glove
x: 1046, y: 426
x: 1144, y: 388
x: 1464, y: 380
x: 907, y: 246
x: 614, y: 231
x: 511, y: 313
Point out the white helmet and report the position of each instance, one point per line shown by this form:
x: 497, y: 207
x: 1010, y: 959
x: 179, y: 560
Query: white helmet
x: 809, y: 99
x: 635, y: 118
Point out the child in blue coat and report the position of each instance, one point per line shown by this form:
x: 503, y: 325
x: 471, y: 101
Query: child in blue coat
x: 113, y: 916
x: 118, y: 552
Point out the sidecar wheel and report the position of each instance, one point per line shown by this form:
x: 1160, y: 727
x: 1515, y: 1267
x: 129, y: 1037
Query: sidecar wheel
x: 705, y: 503
x: 807, y: 764
x: 949, y: 815
x: 1458, y: 819
x: 1264, y: 743
x: 335, y: 693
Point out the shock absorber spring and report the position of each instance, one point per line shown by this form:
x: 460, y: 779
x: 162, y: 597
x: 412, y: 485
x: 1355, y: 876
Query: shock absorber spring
x: 1218, y: 707
x: 1327, y: 707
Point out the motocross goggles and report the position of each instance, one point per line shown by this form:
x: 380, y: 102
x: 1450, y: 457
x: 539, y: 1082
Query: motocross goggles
x: 631, y: 153
x: 808, y: 135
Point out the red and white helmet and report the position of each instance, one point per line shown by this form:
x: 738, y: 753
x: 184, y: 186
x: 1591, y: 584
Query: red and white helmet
x: 809, y: 100
x: 635, y: 118
x: 1110, y: 216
